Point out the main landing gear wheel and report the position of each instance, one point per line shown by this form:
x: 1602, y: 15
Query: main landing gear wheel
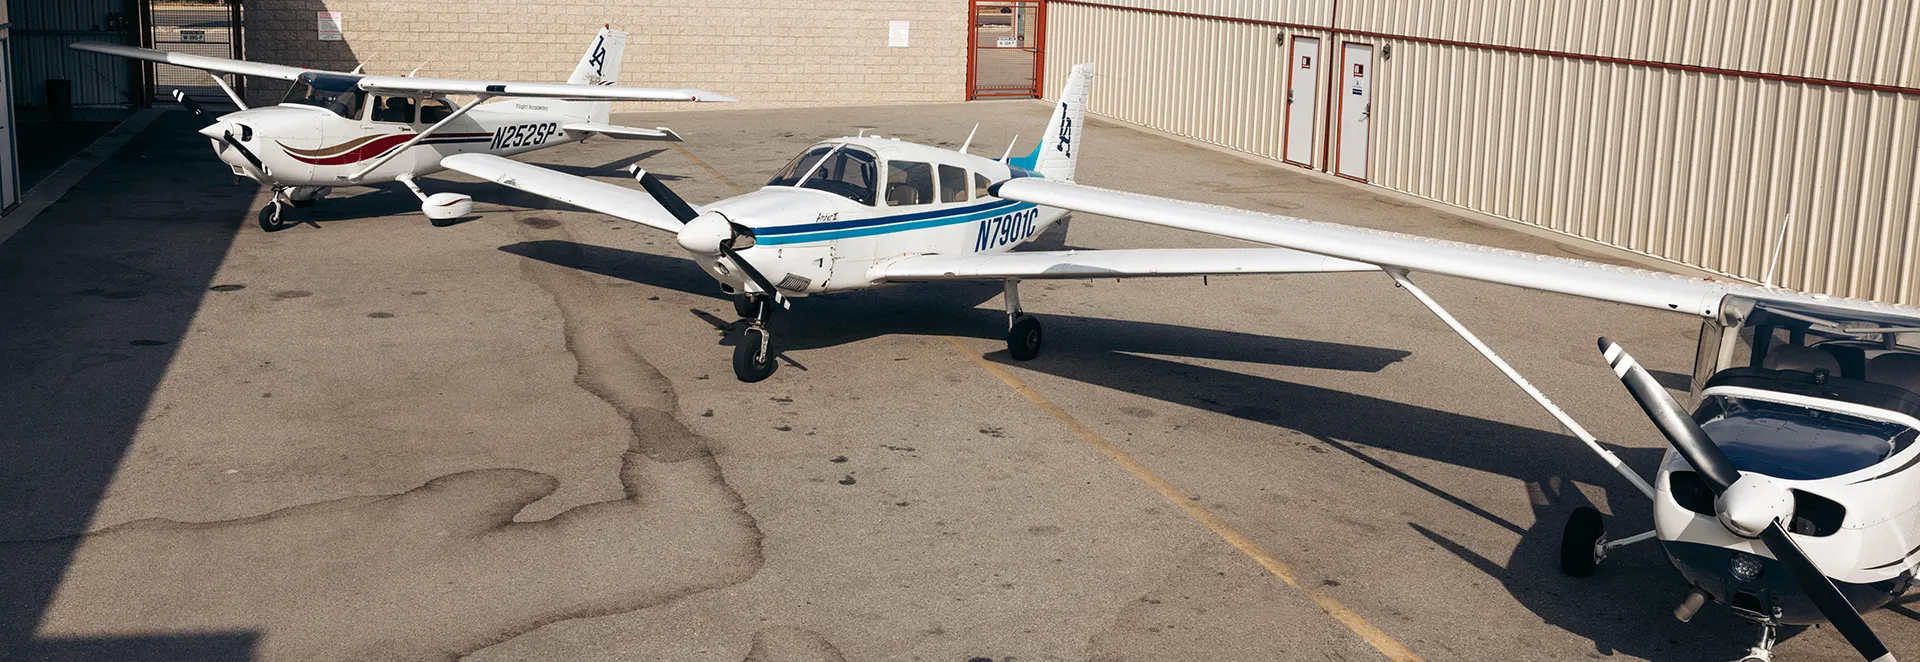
x: 753, y: 356
x: 1581, y: 541
x: 1023, y: 340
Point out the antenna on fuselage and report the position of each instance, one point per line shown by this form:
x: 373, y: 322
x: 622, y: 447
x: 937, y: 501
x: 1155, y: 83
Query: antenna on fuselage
x: 417, y: 69
x: 969, y: 142
x: 1010, y: 144
x: 359, y: 68
x: 1773, y: 262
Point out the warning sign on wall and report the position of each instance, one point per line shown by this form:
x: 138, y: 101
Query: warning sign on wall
x: 329, y: 26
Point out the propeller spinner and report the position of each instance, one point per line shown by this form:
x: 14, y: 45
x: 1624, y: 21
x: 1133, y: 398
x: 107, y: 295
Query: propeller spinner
x: 707, y: 234
x: 1749, y: 505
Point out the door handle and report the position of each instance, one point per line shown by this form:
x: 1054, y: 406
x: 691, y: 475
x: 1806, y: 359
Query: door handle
x: 1289, y: 96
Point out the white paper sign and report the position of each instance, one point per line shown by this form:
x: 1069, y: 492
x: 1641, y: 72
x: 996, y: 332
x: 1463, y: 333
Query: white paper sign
x: 1007, y: 42
x: 896, y: 34
x: 329, y: 26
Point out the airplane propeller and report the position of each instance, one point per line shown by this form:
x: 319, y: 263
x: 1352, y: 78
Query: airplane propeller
x: 1749, y: 505
x: 707, y: 233
x: 217, y: 130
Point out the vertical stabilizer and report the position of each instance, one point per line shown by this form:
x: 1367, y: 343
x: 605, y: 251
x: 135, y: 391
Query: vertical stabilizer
x: 600, y: 66
x: 1059, y: 147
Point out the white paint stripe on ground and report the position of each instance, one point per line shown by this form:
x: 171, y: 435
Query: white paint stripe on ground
x: 56, y: 185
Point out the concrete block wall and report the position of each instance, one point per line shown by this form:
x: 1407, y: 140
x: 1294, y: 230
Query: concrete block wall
x: 767, y: 53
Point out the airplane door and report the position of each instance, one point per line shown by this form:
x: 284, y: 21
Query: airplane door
x: 1303, y: 78
x: 1356, y: 109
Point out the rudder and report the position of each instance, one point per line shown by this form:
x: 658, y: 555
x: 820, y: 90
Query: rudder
x: 1059, y: 148
x: 599, y: 66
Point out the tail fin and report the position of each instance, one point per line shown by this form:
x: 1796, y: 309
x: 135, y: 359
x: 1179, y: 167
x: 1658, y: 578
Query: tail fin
x: 1059, y: 147
x: 600, y: 66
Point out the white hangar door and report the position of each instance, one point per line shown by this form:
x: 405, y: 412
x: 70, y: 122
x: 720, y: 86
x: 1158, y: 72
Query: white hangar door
x: 1356, y: 107
x: 1303, y: 76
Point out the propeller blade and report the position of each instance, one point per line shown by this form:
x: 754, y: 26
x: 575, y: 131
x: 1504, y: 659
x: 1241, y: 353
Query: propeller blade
x: 255, y: 160
x: 1825, y: 595
x: 1672, y: 419
x: 194, y: 107
x: 666, y: 197
x: 726, y: 248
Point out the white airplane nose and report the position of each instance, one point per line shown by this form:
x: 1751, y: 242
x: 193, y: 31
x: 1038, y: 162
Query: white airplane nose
x: 216, y: 130
x: 703, y: 234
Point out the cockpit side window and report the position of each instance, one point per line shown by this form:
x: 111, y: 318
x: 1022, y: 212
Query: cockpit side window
x: 980, y: 186
x: 340, y: 95
x: 790, y: 175
x: 848, y: 173
x: 393, y: 110
x: 909, y: 183
x: 953, y: 184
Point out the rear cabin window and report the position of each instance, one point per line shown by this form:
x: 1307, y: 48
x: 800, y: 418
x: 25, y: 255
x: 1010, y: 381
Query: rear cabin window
x: 980, y: 186
x: 432, y: 111
x: 953, y: 184
x: 848, y: 173
x: 909, y: 183
x: 393, y: 110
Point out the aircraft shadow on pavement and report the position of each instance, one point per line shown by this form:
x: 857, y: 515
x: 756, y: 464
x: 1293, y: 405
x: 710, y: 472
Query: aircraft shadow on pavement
x: 96, y: 295
x: 948, y: 309
x: 1625, y: 608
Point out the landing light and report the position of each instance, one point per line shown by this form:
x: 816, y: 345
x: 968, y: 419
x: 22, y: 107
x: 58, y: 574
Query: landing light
x: 1745, y: 567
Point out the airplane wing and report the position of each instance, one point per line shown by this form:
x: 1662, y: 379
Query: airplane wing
x: 1126, y: 263
x: 200, y: 62
x: 408, y: 85
x: 615, y: 201
x: 1662, y: 291
x: 623, y: 132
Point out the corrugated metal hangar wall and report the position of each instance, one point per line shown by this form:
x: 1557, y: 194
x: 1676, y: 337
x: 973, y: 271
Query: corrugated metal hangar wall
x: 1690, y: 130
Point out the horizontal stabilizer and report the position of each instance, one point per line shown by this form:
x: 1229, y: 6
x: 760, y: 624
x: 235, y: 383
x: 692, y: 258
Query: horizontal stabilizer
x: 1126, y: 263
x: 612, y: 200
x: 624, y: 132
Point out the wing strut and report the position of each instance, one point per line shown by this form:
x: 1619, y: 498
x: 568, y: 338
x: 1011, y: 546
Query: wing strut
x: 397, y: 151
x: 1399, y: 276
x: 222, y: 82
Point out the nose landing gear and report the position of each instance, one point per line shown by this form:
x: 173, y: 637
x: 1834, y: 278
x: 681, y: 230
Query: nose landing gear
x: 753, y: 355
x: 270, y: 215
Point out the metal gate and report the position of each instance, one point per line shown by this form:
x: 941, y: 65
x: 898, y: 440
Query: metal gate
x: 210, y: 28
x: 1009, y: 43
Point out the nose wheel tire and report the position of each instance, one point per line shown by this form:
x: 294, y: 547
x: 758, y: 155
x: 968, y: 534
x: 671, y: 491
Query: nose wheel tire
x: 1023, y: 340
x: 1581, y: 541
x: 270, y: 220
x: 753, y: 356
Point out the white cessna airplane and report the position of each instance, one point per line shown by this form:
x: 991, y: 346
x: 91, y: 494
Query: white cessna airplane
x: 1791, y: 493
x: 343, y: 129
x: 860, y: 212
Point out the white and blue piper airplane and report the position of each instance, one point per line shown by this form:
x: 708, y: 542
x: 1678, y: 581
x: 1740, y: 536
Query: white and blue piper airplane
x: 1791, y: 493
x: 860, y: 212
x: 345, y: 128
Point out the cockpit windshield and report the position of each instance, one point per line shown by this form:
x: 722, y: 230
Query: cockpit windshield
x: 841, y: 170
x: 340, y: 94
x: 1798, y: 443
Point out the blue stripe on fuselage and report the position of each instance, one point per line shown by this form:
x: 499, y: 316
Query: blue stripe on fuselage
x: 867, y: 227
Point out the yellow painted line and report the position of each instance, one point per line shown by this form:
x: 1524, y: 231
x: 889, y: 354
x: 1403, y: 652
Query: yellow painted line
x: 703, y: 166
x: 1379, y: 639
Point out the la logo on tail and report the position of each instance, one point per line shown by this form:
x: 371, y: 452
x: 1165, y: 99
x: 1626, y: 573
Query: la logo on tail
x: 1066, y: 132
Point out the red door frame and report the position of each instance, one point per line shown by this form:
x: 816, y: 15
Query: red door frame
x: 973, y: 50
